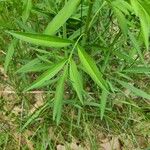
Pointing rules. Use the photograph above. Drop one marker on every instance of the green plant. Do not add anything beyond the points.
(103, 41)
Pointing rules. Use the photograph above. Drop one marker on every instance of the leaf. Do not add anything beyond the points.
(145, 26)
(47, 75)
(27, 9)
(123, 55)
(123, 6)
(62, 16)
(146, 5)
(33, 67)
(136, 44)
(138, 70)
(103, 102)
(42, 40)
(44, 59)
(76, 80)
(91, 68)
(58, 101)
(144, 19)
(9, 54)
(29, 66)
(121, 21)
(34, 116)
(133, 89)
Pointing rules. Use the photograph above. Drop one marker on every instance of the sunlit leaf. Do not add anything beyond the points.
(144, 19)
(103, 99)
(42, 40)
(76, 80)
(27, 9)
(62, 16)
(47, 75)
(91, 68)
(59, 96)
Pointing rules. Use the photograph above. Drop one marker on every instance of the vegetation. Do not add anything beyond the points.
(74, 70)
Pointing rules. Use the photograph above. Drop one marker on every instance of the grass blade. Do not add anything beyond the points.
(58, 101)
(133, 89)
(103, 102)
(91, 68)
(9, 54)
(33, 68)
(136, 44)
(121, 21)
(27, 9)
(47, 75)
(138, 70)
(76, 80)
(42, 40)
(62, 17)
(33, 117)
(144, 19)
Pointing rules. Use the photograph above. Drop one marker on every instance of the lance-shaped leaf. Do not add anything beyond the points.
(136, 70)
(35, 65)
(76, 80)
(34, 116)
(103, 102)
(9, 54)
(27, 9)
(33, 68)
(47, 75)
(91, 68)
(144, 19)
(58, 101)
(121, 21)
(62, 16)
(42, 40)
(133, 89)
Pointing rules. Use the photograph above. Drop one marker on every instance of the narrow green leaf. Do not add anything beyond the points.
(9, 54)
(29, 66)
(76, 80)
(27, 9)
(42, 40)
(138, 70)
(145, 25)
(123, 6)
(123, 55)
(121, 21)
(44, 59)
(103, 102)
(144, 19)
(33, 117)
(33, 68)
(91, 68)
(35, 65)
(47, 75)
(133, 89)
(146, 5)
(136, 44)
(58, 101)
(62, 16)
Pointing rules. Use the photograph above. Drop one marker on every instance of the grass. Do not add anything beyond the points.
(74, 73)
